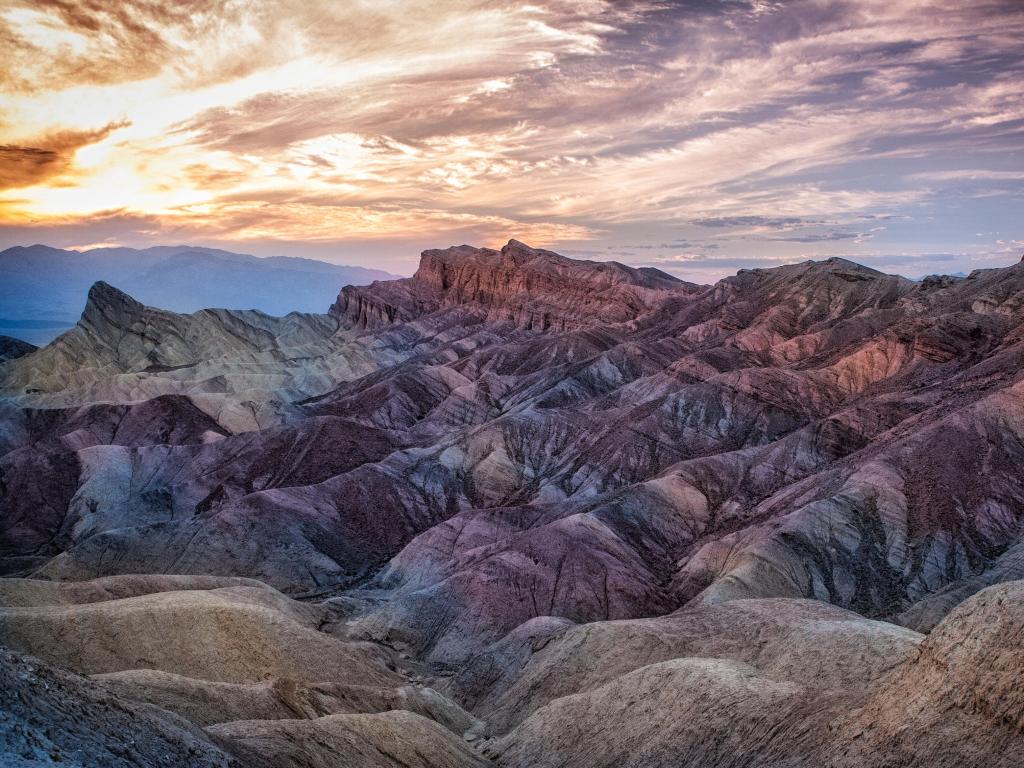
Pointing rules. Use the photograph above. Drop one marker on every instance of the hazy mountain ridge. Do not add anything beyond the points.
(42, 289)
(12, 348)
(565, 495)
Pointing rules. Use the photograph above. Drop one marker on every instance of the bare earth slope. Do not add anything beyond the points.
(515, 492)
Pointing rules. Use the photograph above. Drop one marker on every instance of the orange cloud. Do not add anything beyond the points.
(62, 43)
(49, 156)
(318, 121)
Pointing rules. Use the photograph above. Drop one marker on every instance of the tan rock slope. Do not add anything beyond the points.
(350, 741)
(169, 650)
(947, 700)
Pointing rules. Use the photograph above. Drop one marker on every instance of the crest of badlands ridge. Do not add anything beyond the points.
(518, 285)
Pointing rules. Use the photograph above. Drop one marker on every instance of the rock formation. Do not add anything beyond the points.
(42, 288)
(556, 509)
(519, 286)
(13, 348)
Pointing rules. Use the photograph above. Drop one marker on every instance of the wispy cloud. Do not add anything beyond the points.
(747, 130)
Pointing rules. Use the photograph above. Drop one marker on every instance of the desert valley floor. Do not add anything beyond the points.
(521, 510)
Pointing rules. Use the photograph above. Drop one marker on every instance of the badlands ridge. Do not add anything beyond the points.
(520, 510)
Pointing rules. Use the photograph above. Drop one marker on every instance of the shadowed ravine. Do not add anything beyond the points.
(521, 510)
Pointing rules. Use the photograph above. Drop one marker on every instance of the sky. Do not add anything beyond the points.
(700, 137)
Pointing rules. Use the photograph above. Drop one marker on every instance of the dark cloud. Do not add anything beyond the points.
(23, 166)
(821, 237)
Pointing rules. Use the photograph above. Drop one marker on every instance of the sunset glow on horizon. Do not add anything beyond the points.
(698, 137)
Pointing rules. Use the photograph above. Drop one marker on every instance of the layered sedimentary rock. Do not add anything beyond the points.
(518, 285)
(122, 351)
(515, 491)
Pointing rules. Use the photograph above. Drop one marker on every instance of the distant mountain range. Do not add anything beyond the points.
(43, 289)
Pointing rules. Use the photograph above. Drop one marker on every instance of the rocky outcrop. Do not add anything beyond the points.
(42, 288)
(236, 634)
(388, 740)
(211, 651)
(947, 700)
(535, 486)
(824, 647)
(233, 363)
(766, 436)
(11, 349)
(518, 285)
(53, 717)
(208, 703)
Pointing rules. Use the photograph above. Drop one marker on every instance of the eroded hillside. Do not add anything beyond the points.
(539, 503)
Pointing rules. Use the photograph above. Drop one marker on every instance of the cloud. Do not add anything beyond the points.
(820, 238)
(705, 127)
(56, 43)
(826, 237)
(760, 222)
(49, 157)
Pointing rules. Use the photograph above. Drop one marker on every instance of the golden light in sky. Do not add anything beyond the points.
(692, 135)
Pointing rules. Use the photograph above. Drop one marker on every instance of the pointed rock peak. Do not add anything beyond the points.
(515, 246)
(518, 252)
(108, 305)
(104, 294)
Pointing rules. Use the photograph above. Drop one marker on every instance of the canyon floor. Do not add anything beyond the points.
(522, 510)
